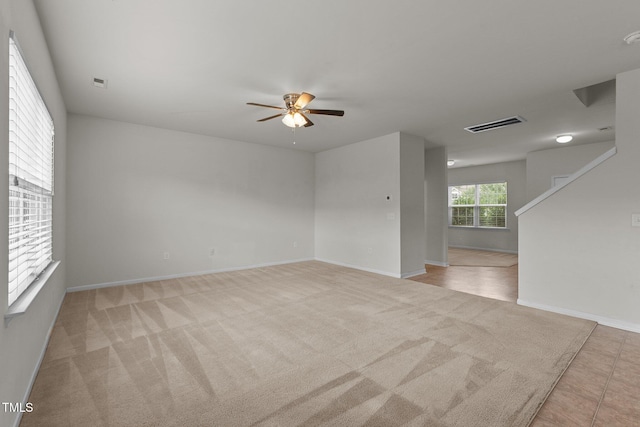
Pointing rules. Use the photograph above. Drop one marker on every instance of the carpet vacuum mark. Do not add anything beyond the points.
(307, 344)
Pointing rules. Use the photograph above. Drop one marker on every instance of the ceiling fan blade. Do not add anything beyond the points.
(303, 100)
(327, 112)
(264, 105)
(309, 122)
(269, 118)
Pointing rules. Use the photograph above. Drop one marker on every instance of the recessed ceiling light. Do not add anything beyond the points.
(632, 38)
(563, 139)
(451, 162)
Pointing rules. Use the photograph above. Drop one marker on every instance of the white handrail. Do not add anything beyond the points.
(577, 174)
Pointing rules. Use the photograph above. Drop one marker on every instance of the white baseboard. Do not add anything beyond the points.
(247, 267)
(606, 321)
(373, 270)
(413, 273)
(34, 374)
(177, 276)
(358, 267)
(436, 263)
(504, 251)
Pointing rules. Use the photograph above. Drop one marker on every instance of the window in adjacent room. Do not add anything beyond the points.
(478, 205)
(30, 178)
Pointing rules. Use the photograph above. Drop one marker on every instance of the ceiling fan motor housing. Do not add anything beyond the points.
(290, 99)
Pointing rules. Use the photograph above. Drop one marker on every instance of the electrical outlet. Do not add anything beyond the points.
(165, 255)
(212, 251)
(295, 244)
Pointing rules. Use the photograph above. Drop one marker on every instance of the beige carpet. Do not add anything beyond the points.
(477, 258)
(301, 344)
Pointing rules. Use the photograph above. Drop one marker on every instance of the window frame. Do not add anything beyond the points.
(476, 206)
(34, 189)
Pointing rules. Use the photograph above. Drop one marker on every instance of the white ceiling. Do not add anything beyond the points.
(427, 68)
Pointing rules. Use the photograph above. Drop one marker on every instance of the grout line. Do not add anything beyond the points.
(606, 385)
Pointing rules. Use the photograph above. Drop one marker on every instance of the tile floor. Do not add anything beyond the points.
(601, 387)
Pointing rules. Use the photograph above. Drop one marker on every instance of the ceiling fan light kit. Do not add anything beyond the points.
(294, 120)
(294, 113)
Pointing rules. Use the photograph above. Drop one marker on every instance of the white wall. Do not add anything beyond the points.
(514, 173)
(412, 221)
(137, 192)
(578, 251)
(22, 340)
(436, 219)
(370, 205)
(543, 165)
(355, 223)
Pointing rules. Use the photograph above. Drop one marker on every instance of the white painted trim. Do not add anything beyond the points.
(574, 176)
(358, 267)
(607, 321)
(34, 374)
(436, 263)
(413, 273)
(177, 276)
(477, 227)
(502, 251)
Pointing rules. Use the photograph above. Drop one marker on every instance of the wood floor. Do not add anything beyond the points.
(601, 387)
(491, 282)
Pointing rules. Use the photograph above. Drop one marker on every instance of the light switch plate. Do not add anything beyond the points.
(635, 219)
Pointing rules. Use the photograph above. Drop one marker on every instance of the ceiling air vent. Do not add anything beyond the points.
(101, 83)
(495, 124)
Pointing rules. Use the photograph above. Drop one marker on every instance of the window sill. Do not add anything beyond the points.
(462, 227)
(23, 302)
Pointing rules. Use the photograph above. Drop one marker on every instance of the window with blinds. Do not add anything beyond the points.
(478, 205)
(30, 178)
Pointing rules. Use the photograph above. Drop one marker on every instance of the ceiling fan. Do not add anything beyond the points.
(294, 114)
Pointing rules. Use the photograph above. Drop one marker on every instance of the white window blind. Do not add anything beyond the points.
(478, 205)
(30, 178)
